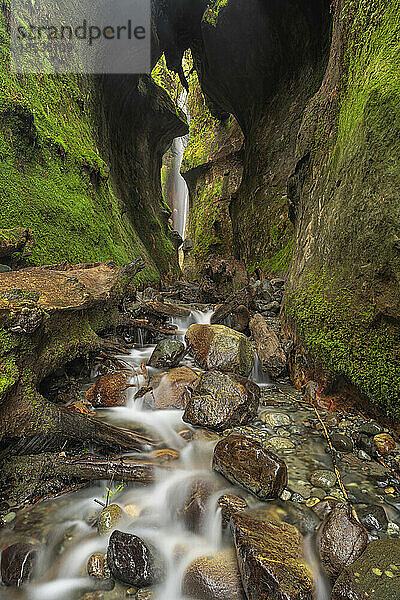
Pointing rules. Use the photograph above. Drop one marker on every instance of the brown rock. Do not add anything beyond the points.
(269, 349)
(341, 540)
(17, 563)
(222, 400)
(230, 504)
(108, 390)
(97, 566)
(270, 558)
(134, 562)
(384, 443)
(190, 501)
(171, 391)
(240, 318)
(248, 463)
(213, 577)
(219, 347)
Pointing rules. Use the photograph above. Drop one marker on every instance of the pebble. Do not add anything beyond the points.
(342, 442)
(300, 488)
(393, 529)
(318, 493)
(275, 419)
(312, 502)
(97, 566)
(373, 517)
(9, 517)
(286, 495)
(144, 594)
(384, 443)
(109, 519)
(323, 478)
(371, 428)
(279, 443)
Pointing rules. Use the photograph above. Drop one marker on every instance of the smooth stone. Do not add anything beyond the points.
(373, 517)
(213, 577)
(246, 462)
(9, 517)
(318, 493)
(384, 443)
(275, 419)
(341, 540)
(270, 558)
(172, 389)
(97, 566)
(167, 353)
(109, 519)
(323, 478)
(222, 400)
(221, 348)
(281, 443)
(375, 575)
(133, 561)
(300, 487)
(145, 594)
(17, 563)
(342, 442)
(371, 428)
(364, 456)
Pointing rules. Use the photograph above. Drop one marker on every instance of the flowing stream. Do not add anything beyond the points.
(63, 525)
(180, 193)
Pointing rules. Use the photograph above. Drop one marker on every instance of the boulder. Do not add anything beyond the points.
(167, 353)
(222, 348)
(341, 540)
(171, 391)
(269, 349)
(270, 558)
(213, 577)
(17, 563)
(375, 575)
(108, 390)
(134, 562)
(248, 463)
(222, 400)
(240, 318)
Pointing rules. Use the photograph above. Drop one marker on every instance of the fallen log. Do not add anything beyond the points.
(144, 324)
(269, 349)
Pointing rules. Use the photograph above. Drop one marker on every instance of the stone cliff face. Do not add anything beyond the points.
(320, 153)
(80, 165)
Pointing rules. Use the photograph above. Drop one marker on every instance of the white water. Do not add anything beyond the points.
(180, 192)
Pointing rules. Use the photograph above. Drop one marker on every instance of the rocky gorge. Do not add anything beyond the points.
(209, 412)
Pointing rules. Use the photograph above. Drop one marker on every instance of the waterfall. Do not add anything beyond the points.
(180, 192)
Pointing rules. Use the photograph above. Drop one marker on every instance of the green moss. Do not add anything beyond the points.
(213, 11)
(347, 338)
(9, 373)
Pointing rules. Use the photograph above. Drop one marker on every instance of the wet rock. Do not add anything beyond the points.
(248, 463)
(323, 478)
(213, 577)
(280, 443)
(264, 290)
(17, 563)
(167, 353)
(221, 348)
(373, 517)
(363, 456)
(342, 442)
(230, 504)
(145, 594)
(240, 318)
(270, 558)
(171, 392)
(300, 487)
(341, 540)
(97, 566)
(375, 575)
(134, 562)
(269, 349)
(275, 419)
(371, 428)
(108, 390)
(109, 519)
(222, 400)
(384, 443)
(189, 501)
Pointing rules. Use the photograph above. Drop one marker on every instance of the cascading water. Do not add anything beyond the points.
(180, 192)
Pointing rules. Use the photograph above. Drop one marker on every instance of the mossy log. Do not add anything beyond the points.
(47, 318)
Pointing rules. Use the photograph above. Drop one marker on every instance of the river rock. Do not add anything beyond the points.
(341, 540)
(248, 463)
(167, 353)
(323, 478)
(275, 419)
(145, 594)
(171, 391)
(108, 390)
(230, 504)
(222, 400)
(375, 575)
(269, 349)
(384, 443)
(213, 577)
(270, 558)
(17, 563)
(133, 561)
(109, 519)
(373, 517)
(240, 318)
(219, 347)
(342, 442)
(371, 428)
(97, 566)
(280, 443)
(196, 503)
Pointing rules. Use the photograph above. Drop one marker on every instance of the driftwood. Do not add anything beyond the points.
(269, 349)
(241, 298)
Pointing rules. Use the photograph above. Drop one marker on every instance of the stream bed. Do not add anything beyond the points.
(286, 423)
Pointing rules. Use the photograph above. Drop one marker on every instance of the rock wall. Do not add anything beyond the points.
(80, 165)
(343, 298)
